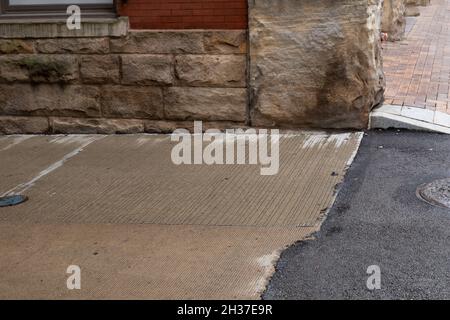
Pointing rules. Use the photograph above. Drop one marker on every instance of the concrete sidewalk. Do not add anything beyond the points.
(141, 227)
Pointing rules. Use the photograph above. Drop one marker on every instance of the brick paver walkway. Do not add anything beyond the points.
(418, 68)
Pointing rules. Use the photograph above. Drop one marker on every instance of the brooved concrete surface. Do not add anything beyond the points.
(377, 219)
(413, 118)
(132, 261)
(141, 227)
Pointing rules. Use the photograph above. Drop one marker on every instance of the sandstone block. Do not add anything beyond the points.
(39, 68)
(16, 46)
(393, 19)
(49, 100)
(315, 63)
(159, 42)
(11, 69)
(211, 70)
(96, 126)
(132, 102)
(147, 69)
(225, 41)
(210, 104)
(100, 69)
(73, 45)
(23, 125)
(182, 42)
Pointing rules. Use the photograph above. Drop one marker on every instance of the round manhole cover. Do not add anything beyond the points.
(12, 200)
(436, 193)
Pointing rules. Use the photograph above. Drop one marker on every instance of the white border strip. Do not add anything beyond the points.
(21, 188)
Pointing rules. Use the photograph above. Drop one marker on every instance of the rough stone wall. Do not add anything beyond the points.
(147, 81)
(315, 63)
(393, 19)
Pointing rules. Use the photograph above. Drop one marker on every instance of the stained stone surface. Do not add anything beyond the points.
(315, 63)
(73, 45)
(147, 69)
(207, 104)
(15, 46)
(38, 68)
(100, 69)
(17, 125)
(211, 70)
(49, 100)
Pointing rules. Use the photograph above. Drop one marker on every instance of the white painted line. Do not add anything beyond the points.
(21, 188)
(16, 140)
(360, 136)
(323, 140)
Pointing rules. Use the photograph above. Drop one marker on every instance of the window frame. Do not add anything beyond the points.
(8, 11)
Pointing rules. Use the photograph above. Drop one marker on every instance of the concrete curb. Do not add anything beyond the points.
(413, 118)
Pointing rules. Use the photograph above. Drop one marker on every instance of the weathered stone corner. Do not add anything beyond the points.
(315, 63)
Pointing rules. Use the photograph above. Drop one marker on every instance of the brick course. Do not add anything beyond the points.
(186, 14)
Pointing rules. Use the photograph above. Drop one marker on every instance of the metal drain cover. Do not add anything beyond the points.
(436, 193)
(12, 200)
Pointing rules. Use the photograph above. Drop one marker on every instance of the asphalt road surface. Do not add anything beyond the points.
(377, 220)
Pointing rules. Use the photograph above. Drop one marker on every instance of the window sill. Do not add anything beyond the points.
(56, 28)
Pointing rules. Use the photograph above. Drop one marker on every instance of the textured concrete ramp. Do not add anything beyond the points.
(140, 261)
(141, 227)
(124, 179)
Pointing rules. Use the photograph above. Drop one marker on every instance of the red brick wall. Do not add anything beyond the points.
(186, 14)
